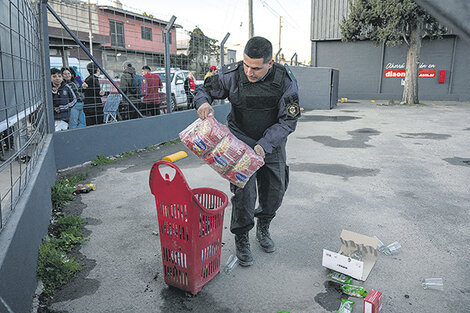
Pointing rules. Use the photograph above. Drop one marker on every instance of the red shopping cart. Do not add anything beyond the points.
(190, 223)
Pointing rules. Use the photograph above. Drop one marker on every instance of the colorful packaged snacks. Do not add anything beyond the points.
(355, 291)
(213, 142)
(225, 154)
(248, 164)
(339, 277)
(346, 306)
(203, 135)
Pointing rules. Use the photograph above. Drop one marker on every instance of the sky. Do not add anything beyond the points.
(217, 17)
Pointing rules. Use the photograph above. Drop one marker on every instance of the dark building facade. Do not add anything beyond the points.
(377, 72)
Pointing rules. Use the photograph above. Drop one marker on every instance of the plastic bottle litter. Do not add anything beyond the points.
(381, 247)
(433, 283)
(394, 247)
(346, 306)
(231, 263)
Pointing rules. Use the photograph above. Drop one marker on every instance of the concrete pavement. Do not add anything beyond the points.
(398, 172)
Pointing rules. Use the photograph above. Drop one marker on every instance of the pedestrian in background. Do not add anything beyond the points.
(93, 106)
(265, 109)
(212, 71)
(129, 87)
(77, 116)
(189, 88)
(63, 99)
(152, 98)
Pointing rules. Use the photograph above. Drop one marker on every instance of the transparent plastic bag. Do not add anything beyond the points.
(213, 142)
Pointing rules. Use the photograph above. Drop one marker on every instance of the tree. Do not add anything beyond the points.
(393, 22)
(199, 46)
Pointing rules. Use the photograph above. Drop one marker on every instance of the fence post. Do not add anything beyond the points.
(277, 55)
(46, 63)
(166, 32)
(222, 52)
(292, 59)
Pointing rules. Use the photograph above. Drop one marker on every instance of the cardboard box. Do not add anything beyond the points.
(341, 262)
(373, 302)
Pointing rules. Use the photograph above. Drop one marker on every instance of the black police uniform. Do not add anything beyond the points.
(264, 113)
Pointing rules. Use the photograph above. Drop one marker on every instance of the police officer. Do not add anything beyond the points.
(265, 109)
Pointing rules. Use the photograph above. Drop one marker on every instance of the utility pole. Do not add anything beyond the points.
(90, 36)
(250, 19)
(280, 26)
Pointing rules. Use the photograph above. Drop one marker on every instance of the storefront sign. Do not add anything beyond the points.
(400, 73)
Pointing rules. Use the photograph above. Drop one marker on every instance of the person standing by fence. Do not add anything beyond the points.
(152, 97)
(130, 88)
(77, 116)
(93, 107)
(63, 99)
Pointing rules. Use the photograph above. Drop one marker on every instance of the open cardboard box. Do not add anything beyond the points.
(341, 262)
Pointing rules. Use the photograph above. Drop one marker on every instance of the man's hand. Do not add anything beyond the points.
(204, 110)
(259, 151)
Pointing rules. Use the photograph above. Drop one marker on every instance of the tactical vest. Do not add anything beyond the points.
(258, 105)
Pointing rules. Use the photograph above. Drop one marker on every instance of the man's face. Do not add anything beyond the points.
(144, 72)
(56, 79)
(255, 69)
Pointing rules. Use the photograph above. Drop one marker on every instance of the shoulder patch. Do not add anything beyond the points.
(230, 67)
(293, 109)
(289, 73)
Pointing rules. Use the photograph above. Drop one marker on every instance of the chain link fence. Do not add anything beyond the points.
(129, 44)
(22, 99)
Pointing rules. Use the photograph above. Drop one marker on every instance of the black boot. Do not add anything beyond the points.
(263, 236)
(242, 242)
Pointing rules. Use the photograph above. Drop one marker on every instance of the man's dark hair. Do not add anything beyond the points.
(259, 47)
(55, 71)
(146, 67)
(92, 68)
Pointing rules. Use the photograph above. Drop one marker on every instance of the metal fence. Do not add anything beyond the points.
(22, 99)
(123, 40)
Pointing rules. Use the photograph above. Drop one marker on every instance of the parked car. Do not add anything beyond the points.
(177, 78)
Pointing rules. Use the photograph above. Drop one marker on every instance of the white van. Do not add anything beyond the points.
(178, 94)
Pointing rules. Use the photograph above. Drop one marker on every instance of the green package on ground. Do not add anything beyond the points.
(355, 291)
(339, 277)
(346, 306)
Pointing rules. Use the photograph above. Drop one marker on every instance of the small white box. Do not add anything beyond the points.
(340, 262)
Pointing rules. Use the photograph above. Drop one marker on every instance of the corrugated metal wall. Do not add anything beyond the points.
(327, 15)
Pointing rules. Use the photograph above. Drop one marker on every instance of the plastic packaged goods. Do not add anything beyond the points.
(203, 135)
(339, 277)
(346, 306)
(355, 291)
(248, 164)
(213, 142)
(225, 154)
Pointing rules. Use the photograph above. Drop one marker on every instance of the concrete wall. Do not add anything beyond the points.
(362, 66)
(76, 146)
(21, 237)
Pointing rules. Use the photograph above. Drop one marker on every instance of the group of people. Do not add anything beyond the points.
(143, 90)
(79, 103)
(76, 103)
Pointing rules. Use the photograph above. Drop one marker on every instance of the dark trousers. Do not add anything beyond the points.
(269, 183)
